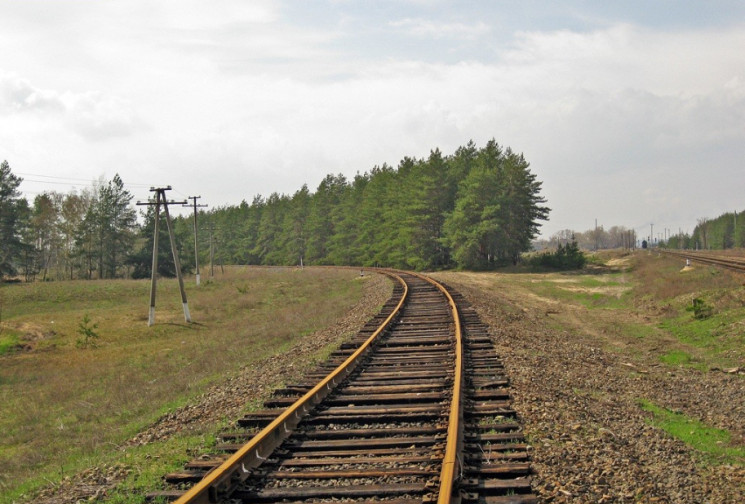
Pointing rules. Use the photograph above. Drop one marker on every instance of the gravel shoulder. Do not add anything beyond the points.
(577, 384)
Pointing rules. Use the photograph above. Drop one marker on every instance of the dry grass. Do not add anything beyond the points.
(662, 277)
(59, 403)
(637, 302)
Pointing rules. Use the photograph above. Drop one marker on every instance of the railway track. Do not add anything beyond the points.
(416, 408)
(729, 262)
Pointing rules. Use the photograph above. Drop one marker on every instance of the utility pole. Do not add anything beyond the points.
(196, 246)
(160, 194)
(596, 235)
(212, 251)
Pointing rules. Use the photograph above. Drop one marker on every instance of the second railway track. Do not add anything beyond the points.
(730, 262)
(415, 409)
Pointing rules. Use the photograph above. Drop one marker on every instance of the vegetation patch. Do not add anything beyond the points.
(62, 406)
(715, 445)
(9, 341)
(676, 358)
(718, 335)
(565, 257)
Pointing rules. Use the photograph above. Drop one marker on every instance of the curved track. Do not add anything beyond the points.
(414, 409)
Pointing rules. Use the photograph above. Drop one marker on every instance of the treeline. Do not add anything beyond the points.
(91, 234)
(476, 209)
(598, 238)
(724, 232)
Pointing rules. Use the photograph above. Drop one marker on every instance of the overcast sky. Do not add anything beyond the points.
(630, 112)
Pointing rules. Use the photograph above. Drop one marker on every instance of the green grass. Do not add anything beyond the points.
(62, 406)
(714, 445)
(9, 341)
(678, 358)
(718, 336)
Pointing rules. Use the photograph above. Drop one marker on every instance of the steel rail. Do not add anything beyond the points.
(733, 263)
(451, 460)
(237, 468)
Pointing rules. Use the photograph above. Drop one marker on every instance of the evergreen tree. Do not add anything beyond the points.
(45, 231)
(322, 219)
(106, 234)
(295, 227)
(72, 211)
(496, 211)
(344, 247)
(13, 221)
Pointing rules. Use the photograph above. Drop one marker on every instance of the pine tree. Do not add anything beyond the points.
(14, 214)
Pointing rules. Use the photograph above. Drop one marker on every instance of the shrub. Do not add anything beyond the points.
(700, 309)
(566, 257)
(87, 332)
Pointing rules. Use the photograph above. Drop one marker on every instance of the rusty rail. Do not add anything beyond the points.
(235, 469)
(729, 262)
(409, 413)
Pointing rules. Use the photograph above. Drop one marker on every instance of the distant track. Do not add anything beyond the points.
(733, 263)
(415, 409)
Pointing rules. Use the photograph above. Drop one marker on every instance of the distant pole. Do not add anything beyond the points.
(160, 194)
(196, 242)
(596, 234)
(212, 252)
(154, 276)
(176, 263)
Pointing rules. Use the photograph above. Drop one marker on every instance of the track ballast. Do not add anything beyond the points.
(422, 414)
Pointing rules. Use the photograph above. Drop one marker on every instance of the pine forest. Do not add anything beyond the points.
(477, 208)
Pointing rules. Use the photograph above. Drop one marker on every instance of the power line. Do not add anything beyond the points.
(50, 176)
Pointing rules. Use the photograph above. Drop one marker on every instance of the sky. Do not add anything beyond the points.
(631, 113)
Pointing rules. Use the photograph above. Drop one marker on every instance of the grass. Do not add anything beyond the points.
(9, 341)
(714, 445)
(640, 303)
(63, 407)
(679, 358)
(608, 291)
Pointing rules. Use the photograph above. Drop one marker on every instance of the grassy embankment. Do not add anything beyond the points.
(641, 306)
(65, 407)
(647, 300)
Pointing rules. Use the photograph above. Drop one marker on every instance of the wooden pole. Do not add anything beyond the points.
(160, 192)
(196, 241)
(154, 274)
(176, 262)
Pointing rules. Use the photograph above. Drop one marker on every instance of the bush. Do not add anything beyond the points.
(701, 310)
(566, 257)
(87, 332)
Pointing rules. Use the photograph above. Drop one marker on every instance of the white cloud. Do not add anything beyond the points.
(437, 29)
(93, 115)
(232, 99)
(18, 95)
